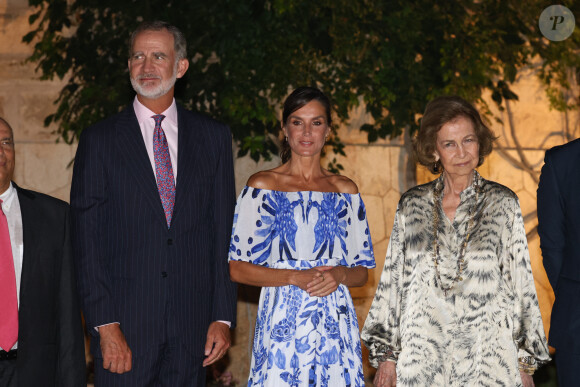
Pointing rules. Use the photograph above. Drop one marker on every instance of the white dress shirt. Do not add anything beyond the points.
(11, 208)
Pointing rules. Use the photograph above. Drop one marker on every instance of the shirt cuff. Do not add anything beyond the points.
(104, 325)
(228, 323)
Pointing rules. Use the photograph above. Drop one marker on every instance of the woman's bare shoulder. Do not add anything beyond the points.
(343, 184)
(263, 179)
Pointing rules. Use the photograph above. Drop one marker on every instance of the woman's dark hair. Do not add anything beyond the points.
(297, 100)
(440, 111)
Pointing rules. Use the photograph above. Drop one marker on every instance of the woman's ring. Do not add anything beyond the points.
(322, 274)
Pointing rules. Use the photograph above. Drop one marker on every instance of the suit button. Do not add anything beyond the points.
(164, 274)
(170, 241)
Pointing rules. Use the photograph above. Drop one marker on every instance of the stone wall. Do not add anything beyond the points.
(41, 162)
(526, 129)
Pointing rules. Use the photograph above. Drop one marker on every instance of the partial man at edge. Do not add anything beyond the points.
(559, 230)
(41, 334)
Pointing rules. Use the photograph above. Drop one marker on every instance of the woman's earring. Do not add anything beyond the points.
(435, 167)
(286, 138)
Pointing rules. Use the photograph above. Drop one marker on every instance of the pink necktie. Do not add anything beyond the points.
(8, 297)
(163, 169)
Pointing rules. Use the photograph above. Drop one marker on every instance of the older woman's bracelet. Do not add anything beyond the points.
(388, 354)
(527, 364)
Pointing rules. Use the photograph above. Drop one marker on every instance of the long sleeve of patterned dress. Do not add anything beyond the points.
(381, 330)
(528, 328)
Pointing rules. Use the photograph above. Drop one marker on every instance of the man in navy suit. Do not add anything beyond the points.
(559, 230)
(47, 348)
(152, 203)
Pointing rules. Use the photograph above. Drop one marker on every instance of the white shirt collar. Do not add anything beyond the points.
(8, 196)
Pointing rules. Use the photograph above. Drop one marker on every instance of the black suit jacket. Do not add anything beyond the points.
(50, 335)
(559, 230)
(156, 282)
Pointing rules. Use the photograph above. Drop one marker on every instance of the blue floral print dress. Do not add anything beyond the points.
(301, 340)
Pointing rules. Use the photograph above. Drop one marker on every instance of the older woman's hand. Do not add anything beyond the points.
(527, 380)
(330, 278)
(386, 375)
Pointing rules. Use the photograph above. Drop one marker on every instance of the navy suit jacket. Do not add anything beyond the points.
(559, 230)
(156, 282)
(51, 346)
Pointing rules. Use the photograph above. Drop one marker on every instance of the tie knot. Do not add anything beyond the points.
(158, 118)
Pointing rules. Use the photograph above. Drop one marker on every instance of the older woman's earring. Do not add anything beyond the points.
(286, 138)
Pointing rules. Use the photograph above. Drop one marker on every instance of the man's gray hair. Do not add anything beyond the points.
(179, 42)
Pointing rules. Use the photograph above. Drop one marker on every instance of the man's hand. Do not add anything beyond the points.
(116, 353)
(218, 342)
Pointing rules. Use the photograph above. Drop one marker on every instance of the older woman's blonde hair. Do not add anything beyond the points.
(440, 111)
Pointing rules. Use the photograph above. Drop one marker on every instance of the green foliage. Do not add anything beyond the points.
(246, 55)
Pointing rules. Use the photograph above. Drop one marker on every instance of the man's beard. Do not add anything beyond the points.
(154, 92)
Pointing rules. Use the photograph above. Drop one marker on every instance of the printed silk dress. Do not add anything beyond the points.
(476, 334)
(301, 340)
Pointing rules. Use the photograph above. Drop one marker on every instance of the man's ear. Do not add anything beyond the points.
(182, 66)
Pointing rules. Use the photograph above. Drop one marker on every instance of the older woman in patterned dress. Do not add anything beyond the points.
(456, 304)
(300, 232)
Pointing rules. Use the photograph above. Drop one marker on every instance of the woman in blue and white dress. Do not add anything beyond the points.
(301, 233)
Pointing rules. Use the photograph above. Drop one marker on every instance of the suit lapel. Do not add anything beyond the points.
(188, 142)
(131, 147)
(30, 241)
